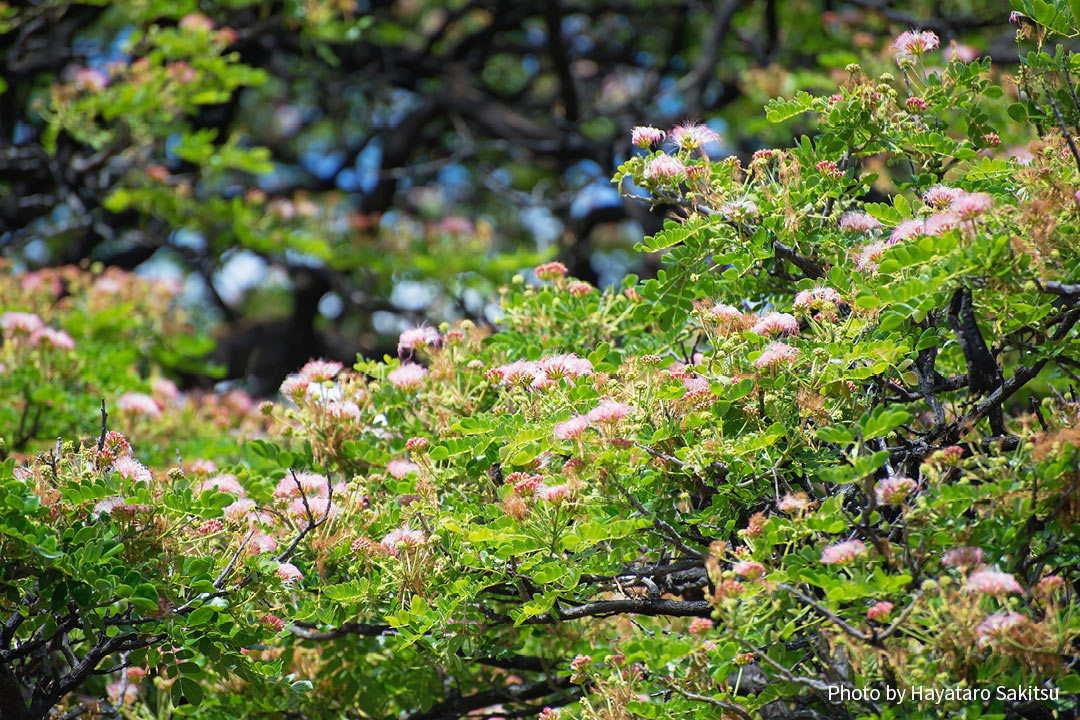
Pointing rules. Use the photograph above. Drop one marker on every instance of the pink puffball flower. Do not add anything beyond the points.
(91, 79)
(664, 167)
(941, 196)
(320, 370)
(131, 469)
(571, 429)
(402, 539)
(775, 324)
(609, 412)
(312, 484)
(400, 469)
(907, 230)
(550, 271)
(225, 483)
(749, 569)
(965, 556)
(569, 365)
(880, 612)
(858, 222)
(775, 355)
(894, 490)
(408, 377)
(996, 625)
(725, 312)
(843, 553)
(869, 257)
(969, 206)
(294, 387)
(20, 322)
(554, 494)
(992, 582)
(262, 543)
(196, 22)
(740, 210)
(793, 503)
(164, 389)
(138, 404)
(816, 299)
(700, 626)
(343, 410)
(54, 338)
(692, 136)
(942, 222)
(319, 508)
(239, 511)
(580, 289)
(915, 43)
(288, 573)
(417, 338)
(645, 136)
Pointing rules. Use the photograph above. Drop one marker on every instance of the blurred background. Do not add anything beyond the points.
(316, 176)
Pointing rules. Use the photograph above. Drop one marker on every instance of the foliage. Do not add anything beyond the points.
(831, 446)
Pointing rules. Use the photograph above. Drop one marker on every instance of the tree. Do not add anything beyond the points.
(829, 452)
(146, 137)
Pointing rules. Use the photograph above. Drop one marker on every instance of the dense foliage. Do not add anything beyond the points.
(328, 173)
(831, 447)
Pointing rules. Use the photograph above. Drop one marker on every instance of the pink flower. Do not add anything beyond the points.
(843, 553)
(692, 135)
(210, 527)
(417, 337)
(941, 196)
(793, 503)
(739, 210)
(750, 569)
(580, 289)
(700, 626)
(408, 377)
(816, 299)
(548, 714)
(992, 582)
(107, 506)
(131, 469)
(962, 557)
(907, 230)
(225, 483)
(775, 323)
(1050, 585)
(262, 543)
(554, 494)
(196, 22)
(870, 257)
(273, 622)
(894, 490)
(200, 466)
(20, 322)
(319, 507)
(915, 104)
(343, 410)
(91, 79)
(915, 43)
(402, 539)
(288, 573)
(239, 510)
(401, 468)
(858, 222)
(138, 404)
(571, 429)
(725, 312)
(550, 271)
(320, 370)
(970, 205)
(775, 355)
(313, 484)
(525, 484)
(664, 167)
(164, 389)
(880, 612)
(997, 625)
(645, 136)
(609, 412)
(416, 444)
(294, 387)
(942, 222)
(56, 338)
(557, 367)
